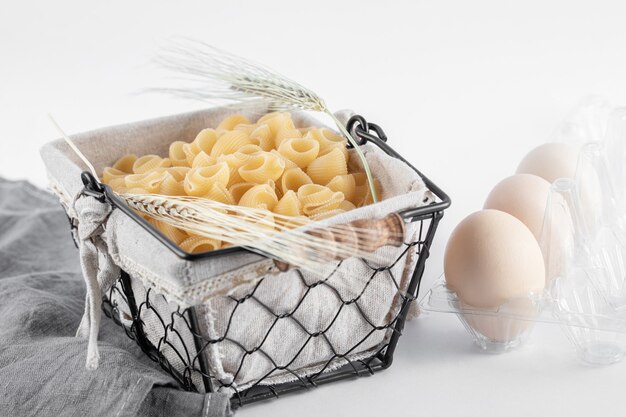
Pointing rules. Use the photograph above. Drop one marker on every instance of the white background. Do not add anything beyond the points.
(463, 90)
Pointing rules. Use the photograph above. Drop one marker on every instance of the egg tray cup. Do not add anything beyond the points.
(494, 330)
(595, 328)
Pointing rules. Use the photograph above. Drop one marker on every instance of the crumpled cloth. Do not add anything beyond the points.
(99, 270)
(42, 363)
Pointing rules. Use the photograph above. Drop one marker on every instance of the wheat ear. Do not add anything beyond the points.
(217, 75)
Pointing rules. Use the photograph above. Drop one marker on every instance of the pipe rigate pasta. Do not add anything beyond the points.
(295, 173)
(327, 167)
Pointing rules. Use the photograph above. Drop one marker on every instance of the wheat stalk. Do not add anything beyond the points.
(218, 75)
(261, 231)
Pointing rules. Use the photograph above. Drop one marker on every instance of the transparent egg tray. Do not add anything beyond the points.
(583, 242)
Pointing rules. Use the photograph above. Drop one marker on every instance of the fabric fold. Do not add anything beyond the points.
(99, 270)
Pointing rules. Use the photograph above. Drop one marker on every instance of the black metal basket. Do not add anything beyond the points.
(190, 362)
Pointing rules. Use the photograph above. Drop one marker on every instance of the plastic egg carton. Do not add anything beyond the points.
(583, 242)
(596, 330)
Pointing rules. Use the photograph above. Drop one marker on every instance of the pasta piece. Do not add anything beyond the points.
(328, 141)
(300, 150)
(262, 136)
(344, 183)
(293, 179)
(288, 205)
(111, 173)
(171, 186)
(234, 164)
(125, 163)
(229, 143)
(199, 244)
(172, 233)
(272, 184)
(148, 163)
(178, 157)
(246, 151)
(354, 162)
(327, 167)
(288, 162)
(316, 199)
(326, 214)
(360, 182)
(239, 189)
(230, 122)
(148, 182)
(205, 140)
(190, 152)
(259, 196)
(203, 160)
(363, 194)
(262, 167)
(286, 134)
(199, 181)
(281, 127)
(220, 193)
(246, 128)
(346, 206)
(277, 121)
(118, 184)
(368, 193)
(179, 173)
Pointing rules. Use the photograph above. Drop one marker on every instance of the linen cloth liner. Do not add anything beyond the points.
(204, 281)
(42, 293)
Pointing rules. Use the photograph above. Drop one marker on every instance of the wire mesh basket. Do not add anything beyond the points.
(171, 335)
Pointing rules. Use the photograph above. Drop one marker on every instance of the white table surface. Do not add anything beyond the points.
(463, 90)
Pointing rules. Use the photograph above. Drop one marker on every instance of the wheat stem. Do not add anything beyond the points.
(357, 148)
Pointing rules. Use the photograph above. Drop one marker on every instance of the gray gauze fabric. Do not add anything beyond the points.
(42, 363)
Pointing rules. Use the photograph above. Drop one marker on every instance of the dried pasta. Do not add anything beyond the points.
(288, 205)
(262, 136)
(328, 140)
(230, 142)
(259, 196)
(205, 140)
(150, 162)
(344, 183)
(171, 186)
(317, 199)
(301, 151)
(293, 179)
(199, 244)
(261, 167)
(198, 181)
(202, 159)
(231, 122)
(125, 163)
(148, 182)
(327, 167)
(295, 173)
(172, 233)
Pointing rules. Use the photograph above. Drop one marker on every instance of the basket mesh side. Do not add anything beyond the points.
(171, 336)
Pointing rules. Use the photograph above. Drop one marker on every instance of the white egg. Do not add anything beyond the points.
(493, 262)
(524, 196)
(492, 257)
(550, 161)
